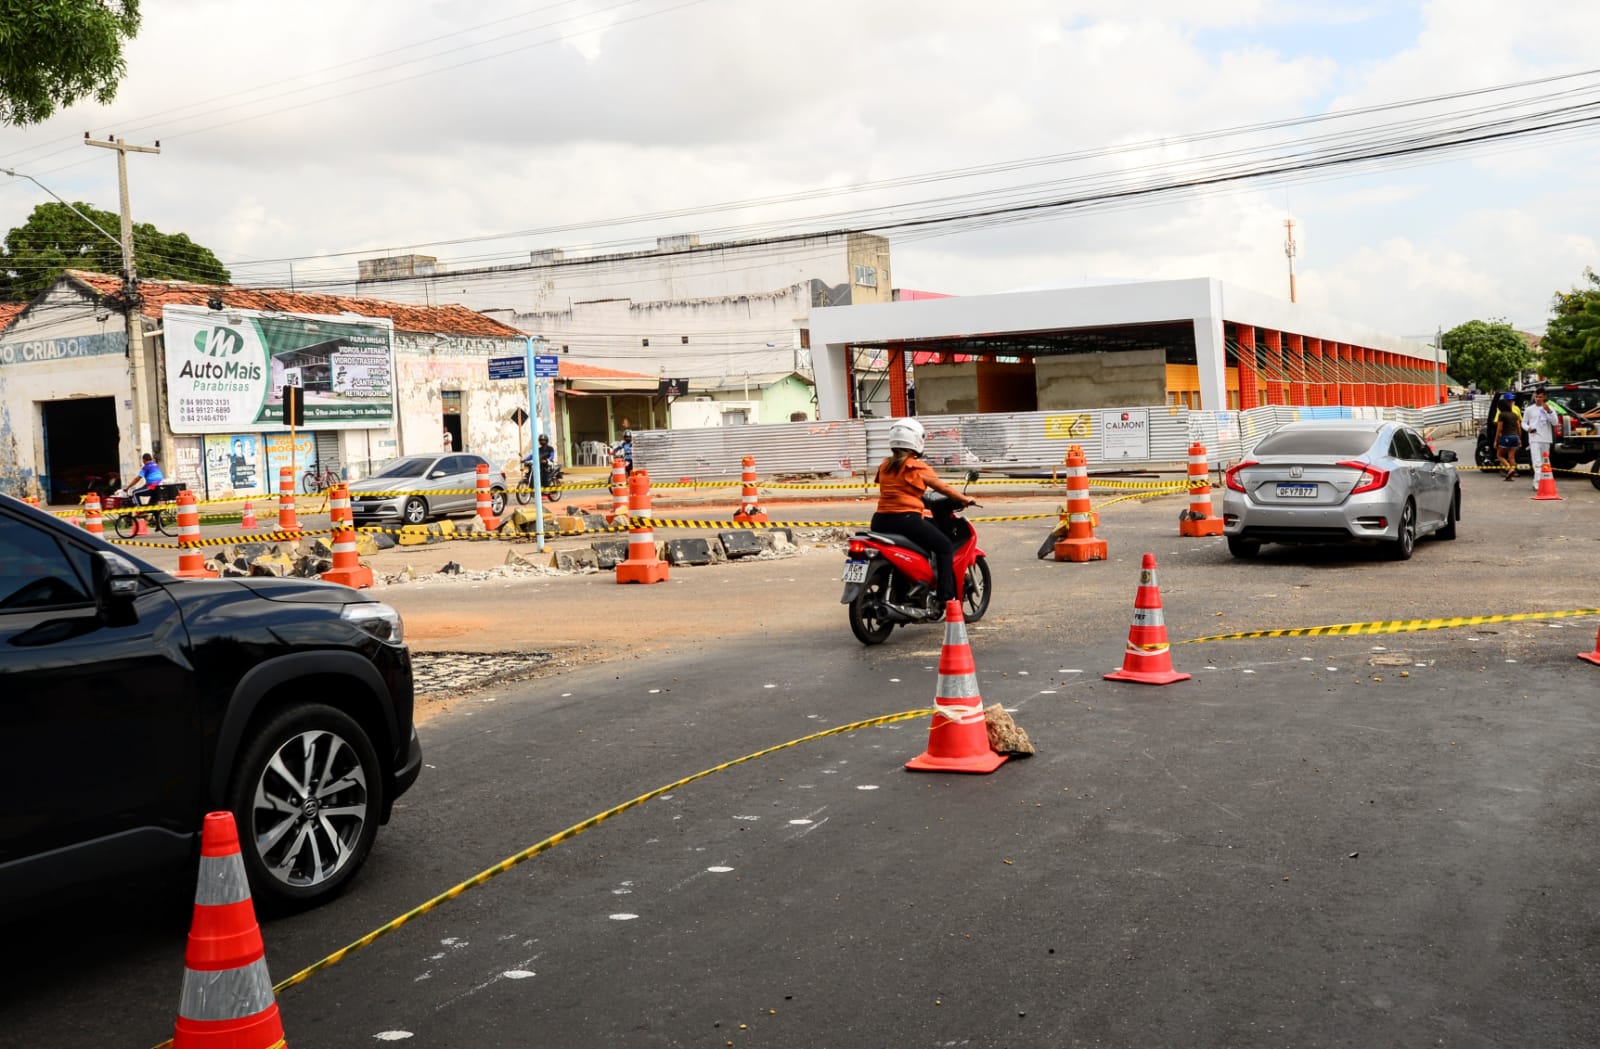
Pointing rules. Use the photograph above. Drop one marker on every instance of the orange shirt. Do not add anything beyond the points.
(901, 493)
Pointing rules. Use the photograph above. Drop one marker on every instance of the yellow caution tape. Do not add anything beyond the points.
(567, 835)
(1394, 626)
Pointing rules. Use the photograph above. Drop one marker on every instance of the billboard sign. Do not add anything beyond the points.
(1125, 434)
(226, 370)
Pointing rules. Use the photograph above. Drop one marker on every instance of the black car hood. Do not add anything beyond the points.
(297, 591)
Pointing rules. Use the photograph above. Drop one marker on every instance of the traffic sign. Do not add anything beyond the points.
(519, 417)
(508, 367)
(547, 367)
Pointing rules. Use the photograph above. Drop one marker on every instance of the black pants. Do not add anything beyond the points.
(921, 531)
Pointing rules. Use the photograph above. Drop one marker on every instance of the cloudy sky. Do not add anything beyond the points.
(310, 133)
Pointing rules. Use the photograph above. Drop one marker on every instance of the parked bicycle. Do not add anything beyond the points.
(318, 478)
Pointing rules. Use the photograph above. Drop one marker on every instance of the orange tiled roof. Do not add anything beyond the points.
(574, 370)
(446, 320)
(9, 312)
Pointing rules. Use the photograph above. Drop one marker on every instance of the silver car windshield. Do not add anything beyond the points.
(1315, 442)
(411, 467)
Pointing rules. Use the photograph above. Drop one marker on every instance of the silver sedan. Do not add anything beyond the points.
(414, 488)
(1340, 481)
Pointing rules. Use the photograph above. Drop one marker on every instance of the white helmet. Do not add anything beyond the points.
(907, 434)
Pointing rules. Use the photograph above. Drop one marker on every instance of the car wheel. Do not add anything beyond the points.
(307, 796)
(1594, 474)
(416, 510)
(1451, 515)
(1484, 456)
(1244, 549)
(497, 500)
(1405, 534)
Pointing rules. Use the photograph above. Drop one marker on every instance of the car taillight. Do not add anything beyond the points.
(1230, 478)
(1372, 478)
(857, 548)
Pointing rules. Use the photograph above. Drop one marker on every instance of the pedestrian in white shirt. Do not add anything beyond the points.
(1539, 419)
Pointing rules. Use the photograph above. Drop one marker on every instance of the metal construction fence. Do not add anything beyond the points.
(1021, 443)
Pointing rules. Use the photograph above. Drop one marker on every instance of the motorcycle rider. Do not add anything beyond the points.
(545, 455)
(902, 478)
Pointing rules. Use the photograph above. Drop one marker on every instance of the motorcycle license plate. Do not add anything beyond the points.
(855, 571)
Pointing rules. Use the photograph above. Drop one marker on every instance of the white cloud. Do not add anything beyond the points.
(596, 109)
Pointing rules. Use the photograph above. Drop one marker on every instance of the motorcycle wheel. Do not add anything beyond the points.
(524, 491)
(867, 610)
(975, 592)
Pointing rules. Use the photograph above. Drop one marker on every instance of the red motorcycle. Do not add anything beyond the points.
(888, 579)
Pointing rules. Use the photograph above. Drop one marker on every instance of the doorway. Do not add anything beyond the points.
(450, 401)
(80, 445)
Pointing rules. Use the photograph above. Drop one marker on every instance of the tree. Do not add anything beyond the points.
(55, 52)
(1571, 343)
(1488, 354)
(55, 239)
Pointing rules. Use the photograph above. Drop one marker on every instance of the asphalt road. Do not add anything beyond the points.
(1316, 841)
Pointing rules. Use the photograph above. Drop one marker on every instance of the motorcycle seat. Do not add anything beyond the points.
(891, 539)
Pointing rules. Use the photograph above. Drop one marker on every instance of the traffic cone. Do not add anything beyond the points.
(1547, 481)
(1080, 544)
(619, 490)
(248, 521)
(288, 519)
(1148, 658)
(1201, 518)
(1593, 657)
(191, 562)
(958, 738)
(642, 565)
(140, 525)
(749, 511)
(347, 567)
(227, 1000)
(91, 515)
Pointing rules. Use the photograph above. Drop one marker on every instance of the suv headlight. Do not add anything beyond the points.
(377, 619)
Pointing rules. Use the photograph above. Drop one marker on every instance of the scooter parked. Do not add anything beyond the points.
(889, 580)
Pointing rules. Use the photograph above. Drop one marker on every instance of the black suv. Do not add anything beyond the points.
(1577, 440)
(134, 702)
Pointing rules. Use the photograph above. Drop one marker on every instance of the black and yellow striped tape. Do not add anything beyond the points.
(1394, 626)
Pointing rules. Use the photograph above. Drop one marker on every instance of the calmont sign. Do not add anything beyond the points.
(226, 370)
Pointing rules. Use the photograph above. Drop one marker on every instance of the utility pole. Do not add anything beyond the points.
(1438, 367)
(1288, 250)
(130, 294)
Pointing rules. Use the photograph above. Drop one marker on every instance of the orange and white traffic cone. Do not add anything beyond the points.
(287, 520)
(1547, 481)
(1201, 518)
(248, 521)
(619, 489)
(227, 1000)
(1080, 544)
(748, 512)
(642, 565)
(91, 515)
(958, 738)
(485, 500)
(1148, 659)
(347, 567)
(191, 562)
(1593, 657)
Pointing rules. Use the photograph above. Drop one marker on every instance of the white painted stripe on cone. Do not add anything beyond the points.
(226, 994)
(955, 632)
(222, 880)
(956, 686)
(1149, 617)
(961, 714)
(637, 538)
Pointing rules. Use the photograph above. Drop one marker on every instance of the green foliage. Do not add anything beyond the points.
(54, 239)
(1489, 354)
(55, 52)
(1571, 345)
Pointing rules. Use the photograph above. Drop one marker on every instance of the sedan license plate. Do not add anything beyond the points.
(1297, 491)
(855, 571)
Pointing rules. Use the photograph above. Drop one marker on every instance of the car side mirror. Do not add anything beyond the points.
(436, 474)
(1447, 456)
(116, 579)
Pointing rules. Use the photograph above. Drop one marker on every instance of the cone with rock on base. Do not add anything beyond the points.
(958, 739)
(227, 1000)
(1148, 658)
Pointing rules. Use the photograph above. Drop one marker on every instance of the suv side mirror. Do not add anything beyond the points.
(116, 579)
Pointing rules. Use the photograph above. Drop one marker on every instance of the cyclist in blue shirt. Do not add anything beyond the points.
(150, 475)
